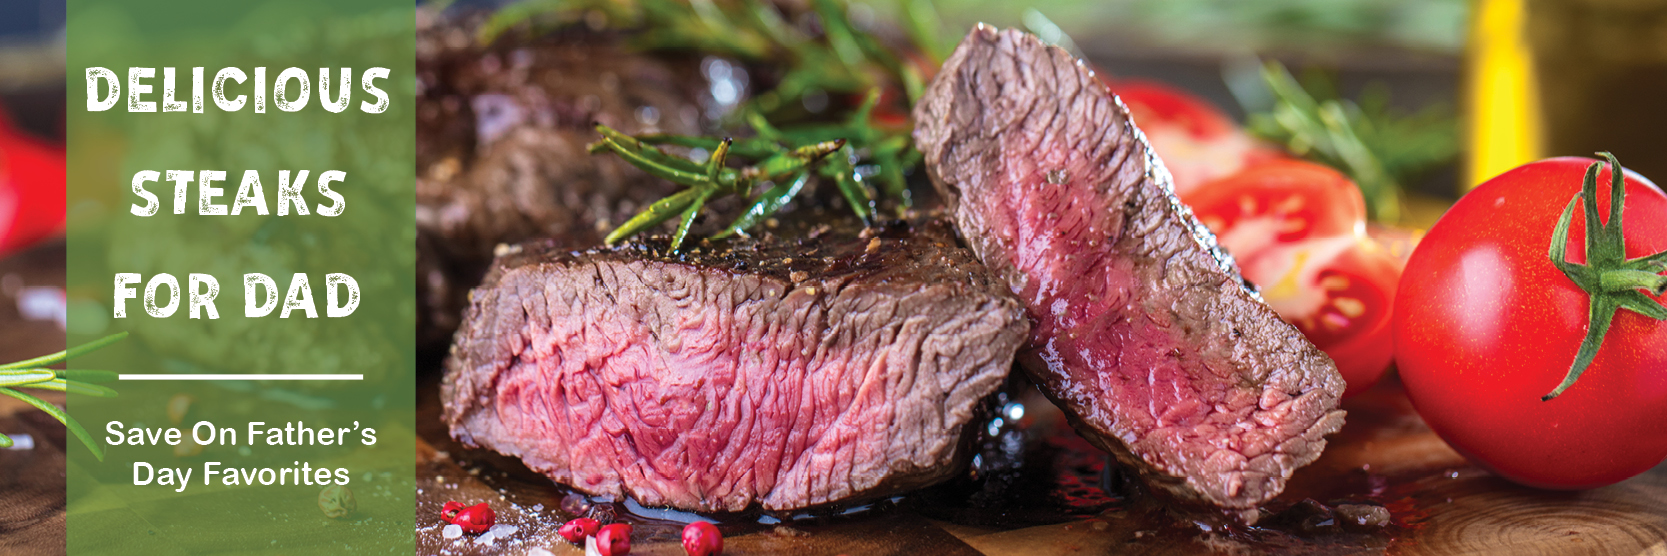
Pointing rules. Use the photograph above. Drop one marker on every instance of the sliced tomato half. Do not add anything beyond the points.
(1275, 202)
(1298, 230)
(1198, 142)
(1339, 292)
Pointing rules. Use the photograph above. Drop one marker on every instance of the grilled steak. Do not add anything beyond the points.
(1142, 329)
(501, 143)
(841, 365)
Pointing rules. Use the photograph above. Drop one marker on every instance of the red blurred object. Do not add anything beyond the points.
(1397, 242)
(1197, 141)
(31, 188)
(892, 111)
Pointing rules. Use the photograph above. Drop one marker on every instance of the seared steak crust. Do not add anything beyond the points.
(1142, 329)
(842, 365)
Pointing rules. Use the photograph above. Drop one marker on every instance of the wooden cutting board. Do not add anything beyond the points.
(31, 480)
(1385, 455)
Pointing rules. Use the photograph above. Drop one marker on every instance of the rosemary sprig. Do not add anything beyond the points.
(1378, 149)
(705, 181)
(846, 154)
(832, 57)
(30, 373)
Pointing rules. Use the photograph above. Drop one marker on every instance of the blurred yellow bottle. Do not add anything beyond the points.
(1566, 77)
(1502, 107)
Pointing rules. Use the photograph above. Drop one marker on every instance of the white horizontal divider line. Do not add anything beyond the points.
(238, 377)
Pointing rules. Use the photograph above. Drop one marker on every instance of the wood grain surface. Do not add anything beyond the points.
(1384, 456)
(32, 480)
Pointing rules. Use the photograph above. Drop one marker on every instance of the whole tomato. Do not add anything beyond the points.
(1486, 325)
(1297, 230)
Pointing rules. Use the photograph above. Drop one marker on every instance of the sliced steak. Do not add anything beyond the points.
(838, 366)
(1141, 328)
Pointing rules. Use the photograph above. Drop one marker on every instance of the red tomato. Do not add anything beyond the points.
(1197, 141)
(1297, 230)
(1339, 291)
(1280, 201)
(1485, 325)
(31, 189)
(1162, 103)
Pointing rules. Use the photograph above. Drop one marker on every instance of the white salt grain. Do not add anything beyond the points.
(452, 531)
(590, 547)
(43, 303)
(22, 441)
(502, 531)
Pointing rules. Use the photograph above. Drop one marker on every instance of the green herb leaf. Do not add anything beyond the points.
(62, 417)
(712, 180)
(767, 204)
(84, 375)
(651, 160)
(689, 218)
(661, 211)
(841, 61)
(60, 357)
(62, 385)
(845, 176)
(31, 376)
(1376, 147)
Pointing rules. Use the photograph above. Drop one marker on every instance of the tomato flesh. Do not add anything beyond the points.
(1485, 325)
(1278, 202)
(1197, 141)
(1296, 230)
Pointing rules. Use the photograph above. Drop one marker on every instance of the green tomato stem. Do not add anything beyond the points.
(1628, 280)
(1612, 281)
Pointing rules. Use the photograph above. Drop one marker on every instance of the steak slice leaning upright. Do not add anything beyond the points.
(844, 364)
(1142, 329)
